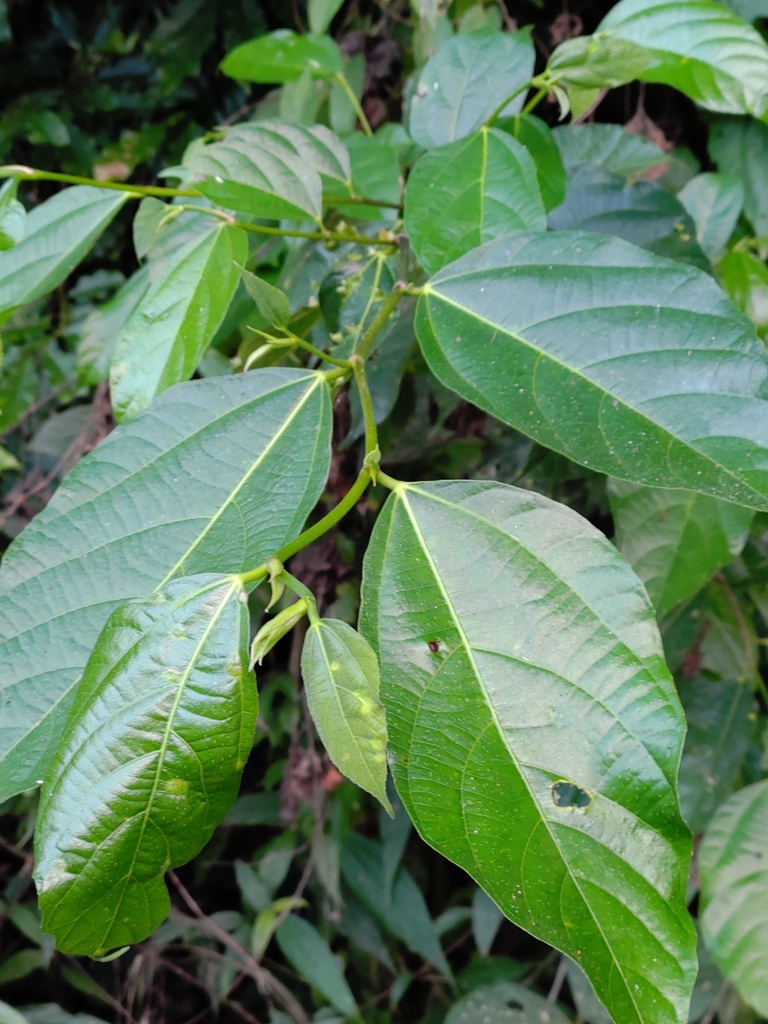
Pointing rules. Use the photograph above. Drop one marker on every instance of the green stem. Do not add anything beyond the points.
(365, 344)
(342, 80)
(294, 339)
(507, 99)
(263, 229)
(534, 101)
(310, 535)
(366, 404)
(22, 173)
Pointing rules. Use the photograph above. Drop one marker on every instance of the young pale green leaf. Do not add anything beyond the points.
(608, 147)
(321, 13)
(538, 139)
(270, 301)
(714, 201)
(733, 870)
(745, 278)
(675, 540)
(720, 716)
(215, 476)
(405, 913)
(632, 365)
(515, 640)
(486, 921)
(282, 56)
(468, 79)
(341, 680)
(308, 953)
(504, 1003)
(739, 145)
(698, 47)
(149, 762)
(13, 216)
(167, 333)
(260, 173)
(59, 232)
(103, 326)
(468, 192)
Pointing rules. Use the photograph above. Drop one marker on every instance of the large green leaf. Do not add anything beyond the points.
(315, 145)
(149, 762)
(696, 46)
(720, 716)
(675, 540)
(258, 173)
(165, 336)
(468, 192)
(535, 733)
(341, 679)
(733, 869)
(308, 952)
(633, 365)
(469, 77)
(608, 147)
(700, 48)
(740, 147)
(59, 233)
(215, 476)
(282, 56)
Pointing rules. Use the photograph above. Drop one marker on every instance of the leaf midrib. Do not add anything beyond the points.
(607, 394)
(492, 711)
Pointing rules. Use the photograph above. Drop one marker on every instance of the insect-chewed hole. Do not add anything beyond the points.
(568, 794)
(515, 1004)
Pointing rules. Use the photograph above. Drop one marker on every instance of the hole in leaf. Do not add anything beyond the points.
(515, 1004)
(568, 794)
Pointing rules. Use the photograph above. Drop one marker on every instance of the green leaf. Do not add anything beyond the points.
(734, 889)
(714, 201)
(504, 1003)
(149, 762)
(469, 77)
(375, 175)
(591, 1010)
(10, 1016)
(538, 139)
(740, 147)
(216, 475)
(341, 680)
(258, 173)
(103, 326)
(698, 47)
(720, 716)
(8, 460)
(271, 303)
(146, 223)
(486, 921)
(515, 640)
(321, 13)
(395, 831)
(315, 145)
(468, 192)
(13, 216)
(363, 932)
(749, 10)
(675, 540)
(59, 233)
(281, 57)
(633, 365)
(745, 278)
(308, 952)
(165, 336)
(608, 146)
(405, 914)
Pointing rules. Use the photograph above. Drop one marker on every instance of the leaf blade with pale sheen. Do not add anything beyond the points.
(282, 56)
(150, 761)
(211, 477)
(531, 662)
(636, 366)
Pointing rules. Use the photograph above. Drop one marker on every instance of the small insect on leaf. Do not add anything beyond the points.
(150, 761)
(341, 677)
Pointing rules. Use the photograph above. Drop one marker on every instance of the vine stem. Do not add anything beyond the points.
(366, 405)
(534, 101)
(507, 99)
(364, 346)
(322, 526)
(22, 173)
(263, 229)
(341, 78)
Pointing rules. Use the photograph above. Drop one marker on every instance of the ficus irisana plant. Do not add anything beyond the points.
(508, 666)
